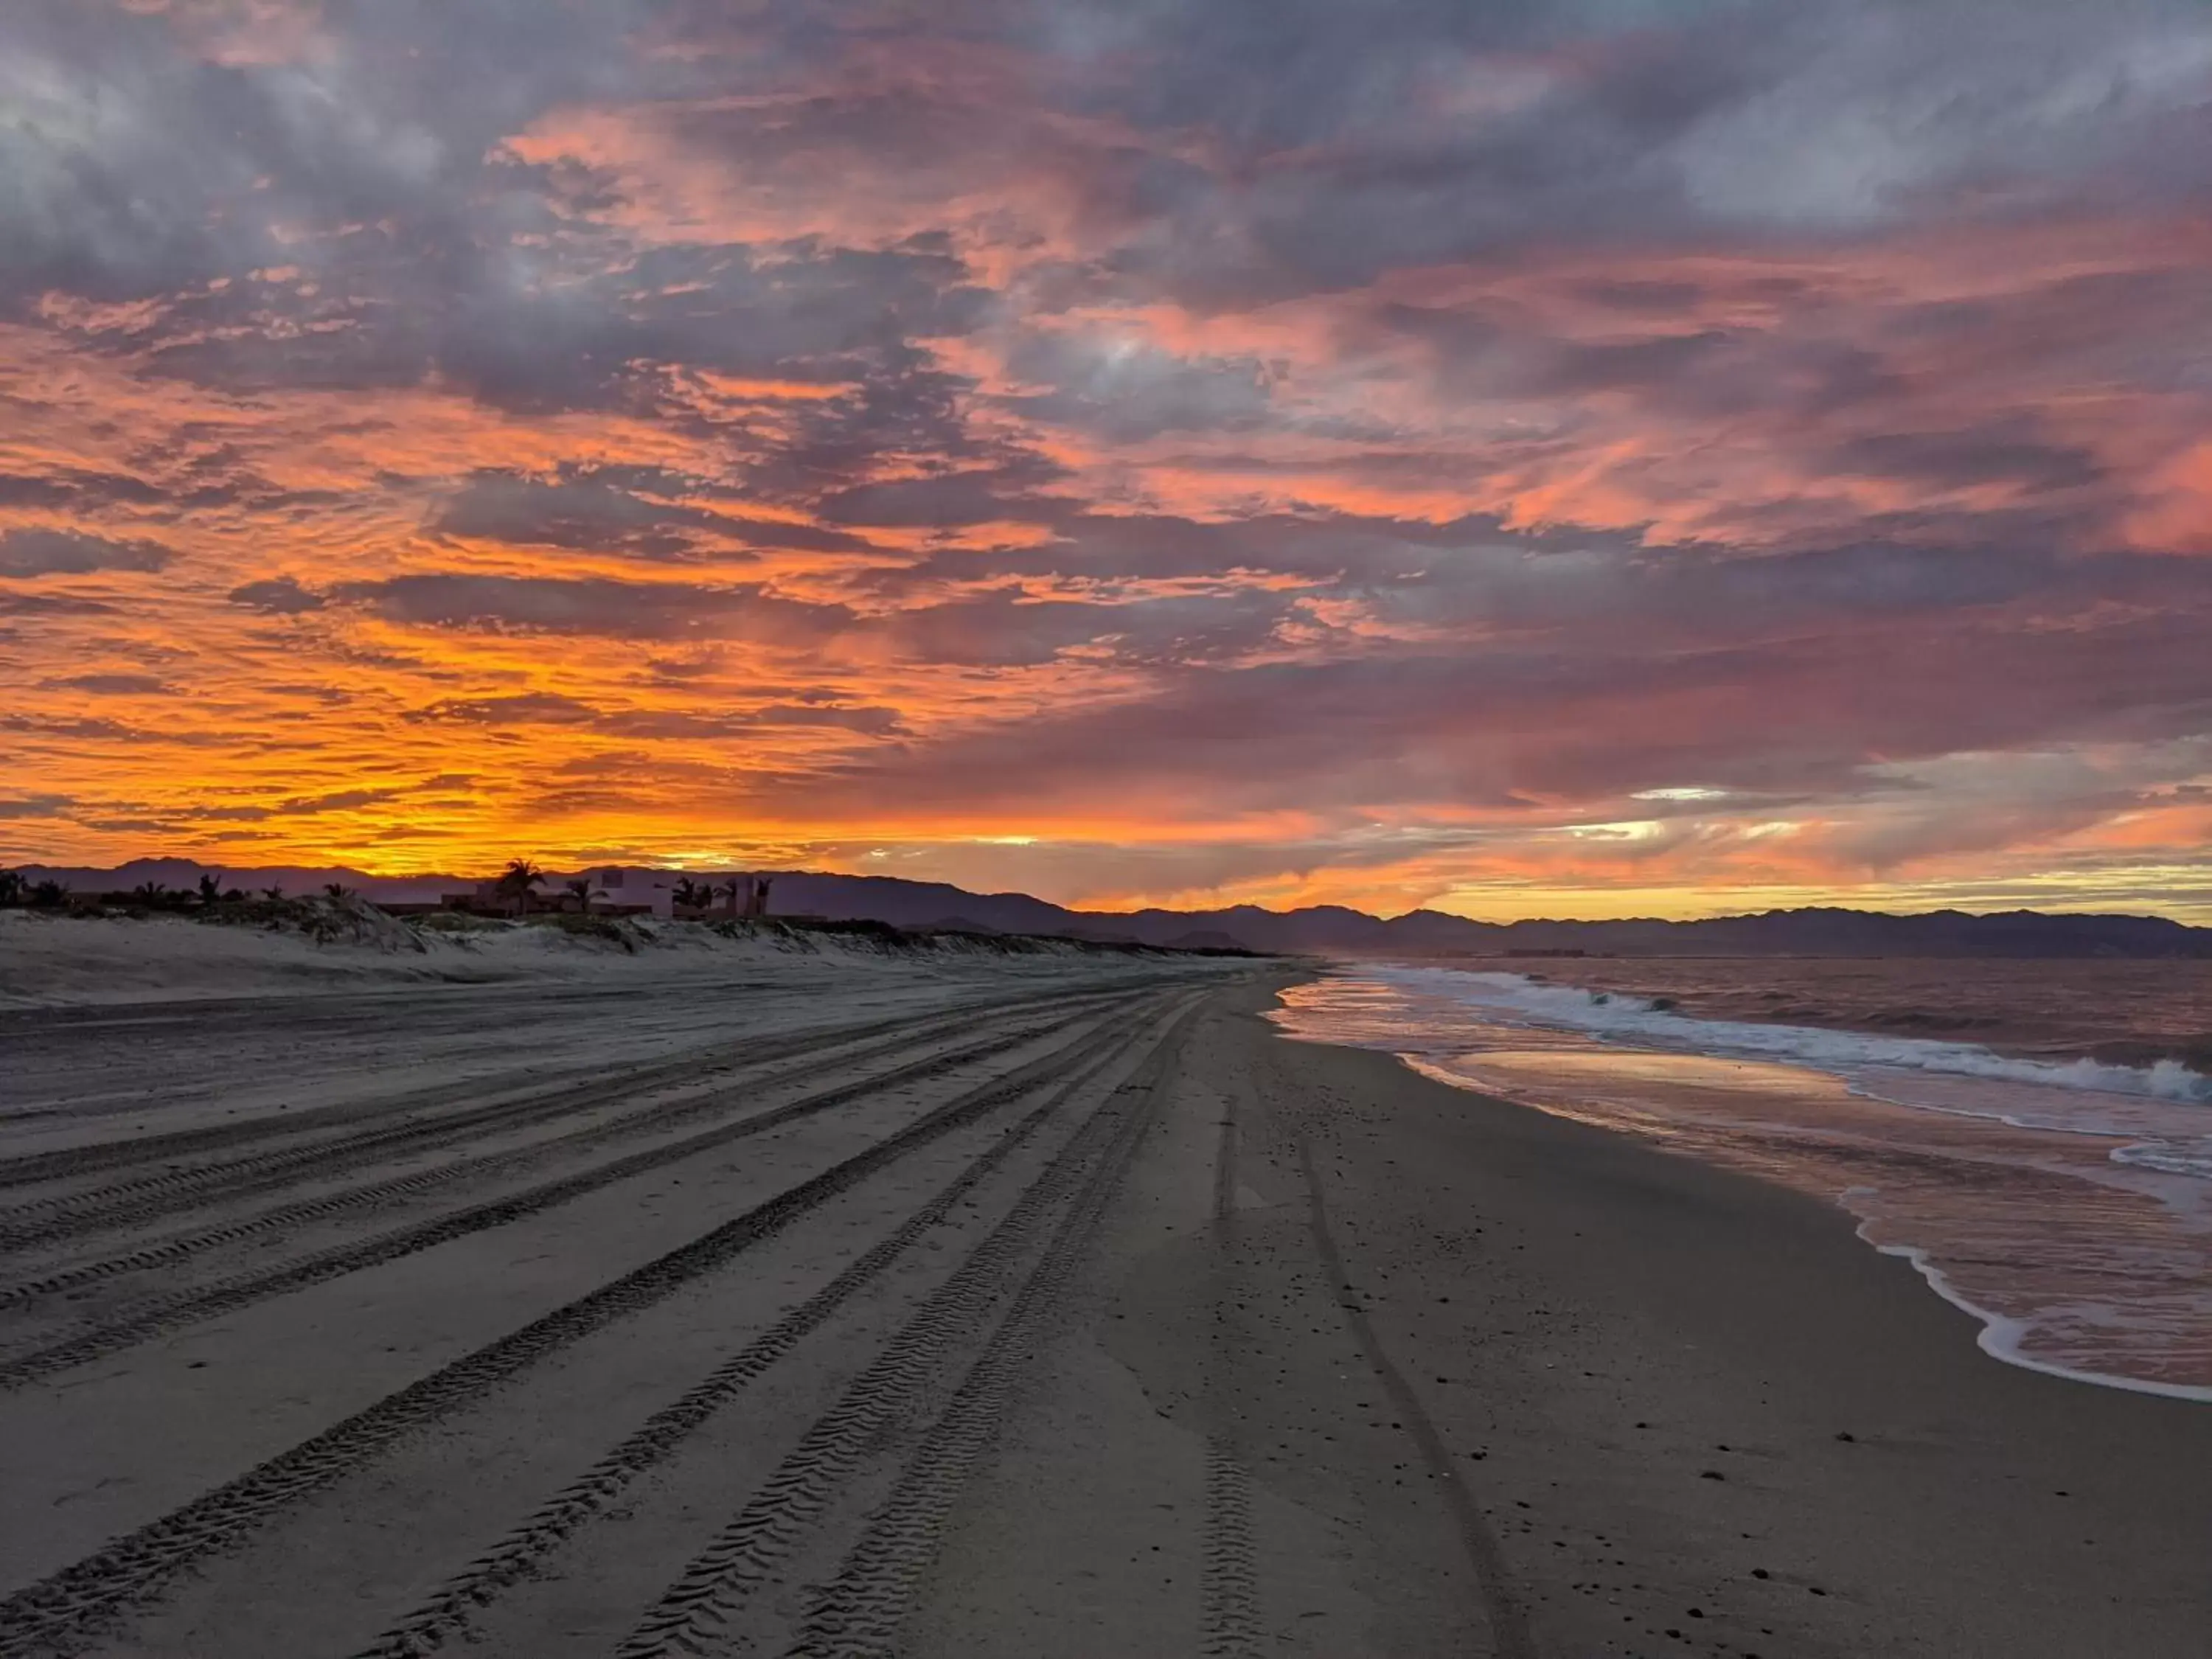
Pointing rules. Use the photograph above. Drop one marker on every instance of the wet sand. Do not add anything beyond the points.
(1503, 1383)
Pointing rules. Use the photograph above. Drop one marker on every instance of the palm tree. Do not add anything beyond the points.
(11, 886)
(337, 889)
(274, 890)
(210, 886)
(150, 893)
(685, 893)
(581, 887)
(516, 881)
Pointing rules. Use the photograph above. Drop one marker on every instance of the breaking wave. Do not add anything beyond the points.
(1512, 998)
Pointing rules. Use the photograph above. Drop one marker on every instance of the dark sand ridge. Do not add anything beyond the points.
(1493, 1382)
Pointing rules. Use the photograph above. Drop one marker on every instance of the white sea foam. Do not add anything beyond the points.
(1611, 1014)
(2003, 1337)
(2170, 1158)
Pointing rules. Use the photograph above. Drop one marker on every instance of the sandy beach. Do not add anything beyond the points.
(986, 1309)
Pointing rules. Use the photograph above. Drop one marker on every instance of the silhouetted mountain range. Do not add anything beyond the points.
(1327, 929)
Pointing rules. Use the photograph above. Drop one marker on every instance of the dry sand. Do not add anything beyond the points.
(1048, 1307)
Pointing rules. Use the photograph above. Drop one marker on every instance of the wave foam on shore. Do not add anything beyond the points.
(1611, 1014)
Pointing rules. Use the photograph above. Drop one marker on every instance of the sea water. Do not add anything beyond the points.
(2062, 1199)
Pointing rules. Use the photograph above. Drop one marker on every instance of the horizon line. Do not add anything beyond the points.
(1952, 908)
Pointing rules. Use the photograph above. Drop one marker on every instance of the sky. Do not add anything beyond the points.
(1518, 456)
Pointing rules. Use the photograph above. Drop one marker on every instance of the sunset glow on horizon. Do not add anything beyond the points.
(1593, 458)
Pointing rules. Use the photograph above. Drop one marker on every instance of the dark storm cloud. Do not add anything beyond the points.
(28, 552)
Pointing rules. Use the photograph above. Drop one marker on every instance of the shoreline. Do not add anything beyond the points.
(1938, 1153)
(2000, 1333)
(2169, 1070)
(1648, 977)
(1654, 1319)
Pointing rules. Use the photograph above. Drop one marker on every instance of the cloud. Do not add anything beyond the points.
(524, 709)
(981, 495)
(52, 604)
(1127, 389)
(282, 596)
(35, 806)
(2000, 453)
(1413, 134)
(338, 800)
(641, 512)
(130, 143)
(34, 552)
(1242, 441)
(675, 725)
(679, 725)
(638, 610)
(113, 685)
(583, 514)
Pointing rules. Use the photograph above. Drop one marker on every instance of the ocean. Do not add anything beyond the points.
(2035, 1137)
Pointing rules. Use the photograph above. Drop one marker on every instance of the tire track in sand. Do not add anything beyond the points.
(163, 1315)
(445, 1614)
(132, 1151)
(1230, 1627)
(1508, 1621)
(35, 1222)
(63, 1612)
(871, 1591)
(668, 1114)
